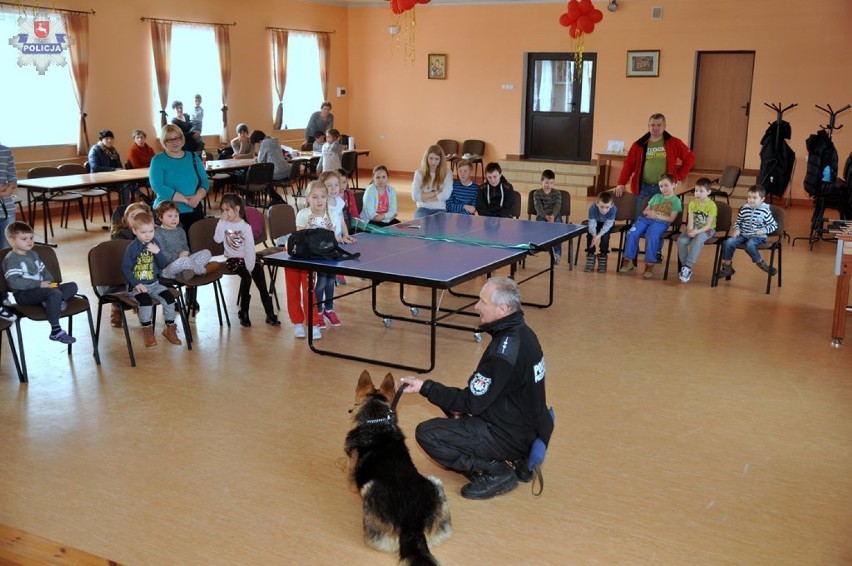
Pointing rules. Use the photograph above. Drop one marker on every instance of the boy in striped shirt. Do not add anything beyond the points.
(463, 198)
(753, 225)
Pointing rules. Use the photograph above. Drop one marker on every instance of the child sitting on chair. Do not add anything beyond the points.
(234, 231)
(548, 206)
(30, 281)
(661, 211)
(182, 265)
(753, 225)
(700, 226)
(143, 260)
(601, 220)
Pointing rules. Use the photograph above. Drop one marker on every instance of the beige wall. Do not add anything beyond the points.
(392, 108)
(801, 53)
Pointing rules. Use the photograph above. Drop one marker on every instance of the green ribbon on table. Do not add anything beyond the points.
(367, 227)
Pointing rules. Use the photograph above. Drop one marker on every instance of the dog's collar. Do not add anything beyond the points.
(390, 418)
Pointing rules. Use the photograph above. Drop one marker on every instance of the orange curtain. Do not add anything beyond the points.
(161, 43)
(77, 26)
(279, 71)
(324, 43)
(223, 42)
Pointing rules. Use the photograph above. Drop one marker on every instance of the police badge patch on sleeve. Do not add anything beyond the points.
(479, 384)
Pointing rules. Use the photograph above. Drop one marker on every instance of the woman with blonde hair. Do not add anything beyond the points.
(433, 183)
(178, 175)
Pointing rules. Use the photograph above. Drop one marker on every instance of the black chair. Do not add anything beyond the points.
(451, 150)
(47, 196)
(349, 164)
(773, 244)
(77, 304)
(88, 194)
(625, 216)
(257, 184)
(6, 326)
(282, 221)
(105, 273)
(724, 186)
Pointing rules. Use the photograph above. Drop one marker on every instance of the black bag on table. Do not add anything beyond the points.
(317, 243)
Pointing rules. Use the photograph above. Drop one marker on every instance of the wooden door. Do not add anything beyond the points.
(559, 113)
(721, 105)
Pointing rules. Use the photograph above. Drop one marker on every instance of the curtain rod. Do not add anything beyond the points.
(46, 9)
(294, 29)
(147, 19)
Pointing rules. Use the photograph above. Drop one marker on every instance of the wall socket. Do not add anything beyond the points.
(507, 87)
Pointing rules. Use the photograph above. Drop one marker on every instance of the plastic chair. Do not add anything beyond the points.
(724, 186)
(256, 186)
(451, 150)
(77, 304)
(625, 216)
(773, 243)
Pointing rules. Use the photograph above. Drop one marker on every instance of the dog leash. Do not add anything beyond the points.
(390, 418)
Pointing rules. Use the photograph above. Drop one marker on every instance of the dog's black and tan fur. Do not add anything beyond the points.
(402, 509)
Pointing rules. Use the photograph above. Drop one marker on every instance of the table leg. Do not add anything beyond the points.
(841, 301)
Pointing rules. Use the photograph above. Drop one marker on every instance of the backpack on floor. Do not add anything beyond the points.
(317, 243)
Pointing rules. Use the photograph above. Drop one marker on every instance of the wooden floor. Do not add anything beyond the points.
(694, 426)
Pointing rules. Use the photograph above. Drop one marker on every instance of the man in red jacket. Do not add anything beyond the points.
(652, 155)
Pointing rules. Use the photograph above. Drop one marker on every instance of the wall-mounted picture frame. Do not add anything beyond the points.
(437, 66)
(643, 63)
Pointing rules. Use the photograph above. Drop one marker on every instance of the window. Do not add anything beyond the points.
(303, 91)
(37, 109)
(194, 70)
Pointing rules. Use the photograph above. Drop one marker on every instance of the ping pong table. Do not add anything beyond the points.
(429, 252)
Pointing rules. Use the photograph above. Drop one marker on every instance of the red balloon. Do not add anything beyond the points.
(585, 25)
(586, 6)
(574, 32)
(573, 3)
(563, 20)
(423, 1)
(407, 4)
(595, 15)
(395, 7)
(573, 12)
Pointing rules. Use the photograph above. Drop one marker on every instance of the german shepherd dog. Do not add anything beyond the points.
(402, 509)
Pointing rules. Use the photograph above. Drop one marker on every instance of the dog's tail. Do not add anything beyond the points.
(413, 549)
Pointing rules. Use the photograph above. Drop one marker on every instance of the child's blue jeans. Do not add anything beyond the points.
(751, 243)
(652, 230)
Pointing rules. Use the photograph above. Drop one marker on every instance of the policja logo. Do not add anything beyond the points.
(41, 42)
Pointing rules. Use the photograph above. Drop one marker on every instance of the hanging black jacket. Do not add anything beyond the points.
(821, 154)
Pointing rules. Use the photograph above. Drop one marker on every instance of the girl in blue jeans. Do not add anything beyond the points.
(661, 211)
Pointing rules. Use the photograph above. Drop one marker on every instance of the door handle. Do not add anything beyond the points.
(746, 107)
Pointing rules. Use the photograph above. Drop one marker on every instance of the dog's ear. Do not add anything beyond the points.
(365, 385)
(388, 388)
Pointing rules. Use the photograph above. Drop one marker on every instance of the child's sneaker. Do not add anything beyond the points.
(7, 314)
(602, 264)
(340, 279)
(320, 322)
(649, 271)
(316, 334)
(685, 274)
(627, 265)
(331, 317)
(299, 330)
(725, 271)
(590, 263)
(62, 337)
(767, 268)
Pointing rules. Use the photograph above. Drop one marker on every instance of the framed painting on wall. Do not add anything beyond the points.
(437, 66)
(643, 63)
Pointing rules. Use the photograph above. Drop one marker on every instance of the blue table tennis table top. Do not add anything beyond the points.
(436, 262)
